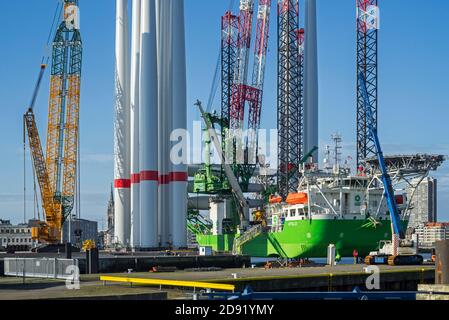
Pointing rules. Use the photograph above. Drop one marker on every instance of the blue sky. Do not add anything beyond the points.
(413, 85)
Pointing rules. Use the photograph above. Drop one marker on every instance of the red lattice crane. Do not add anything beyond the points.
(241, 92)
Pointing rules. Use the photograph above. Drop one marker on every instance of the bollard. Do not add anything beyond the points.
(331, 251)
(92, 261)
(442, 262)
(68, 250)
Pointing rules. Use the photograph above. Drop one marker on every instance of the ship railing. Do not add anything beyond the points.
(247, 236)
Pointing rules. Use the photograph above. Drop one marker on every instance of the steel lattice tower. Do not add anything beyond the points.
(241, 70)
(258, 77)
(289, 96)
(367, 30)
(301, 54)
(235, 90)
(63, 111)
(229, 38)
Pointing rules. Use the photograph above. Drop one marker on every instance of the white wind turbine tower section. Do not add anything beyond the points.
(165, 108)
(148, 128)
(151, 110)
(179, 176)
(122, 127)
(134, 105)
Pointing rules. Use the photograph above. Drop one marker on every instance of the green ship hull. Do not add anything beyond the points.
(308, 239)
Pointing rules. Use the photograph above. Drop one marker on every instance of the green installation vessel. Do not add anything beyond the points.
(347, 211)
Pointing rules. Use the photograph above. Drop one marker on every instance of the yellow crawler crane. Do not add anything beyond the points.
(57, 171)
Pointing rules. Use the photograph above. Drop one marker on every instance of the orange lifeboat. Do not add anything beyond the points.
(297, 198)
(275, 199)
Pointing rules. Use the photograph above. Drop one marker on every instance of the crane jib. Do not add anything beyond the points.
(386, 180)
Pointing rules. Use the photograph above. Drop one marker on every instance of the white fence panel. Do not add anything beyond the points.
(51, 268)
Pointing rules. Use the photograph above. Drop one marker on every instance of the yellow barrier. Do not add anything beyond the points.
(171, 283)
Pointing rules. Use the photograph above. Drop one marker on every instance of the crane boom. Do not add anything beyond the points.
(400, 250)
(235, 186)
(386, 180)
(244, 41)
(261, 46)
(48, 231)
(38, 85)
(239, 86)
(52, 210)
(260, 57)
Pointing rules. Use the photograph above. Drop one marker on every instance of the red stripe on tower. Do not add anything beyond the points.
(149, 176)
(164, 179)
(178, 176)
(122, 183)
(135, 178)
